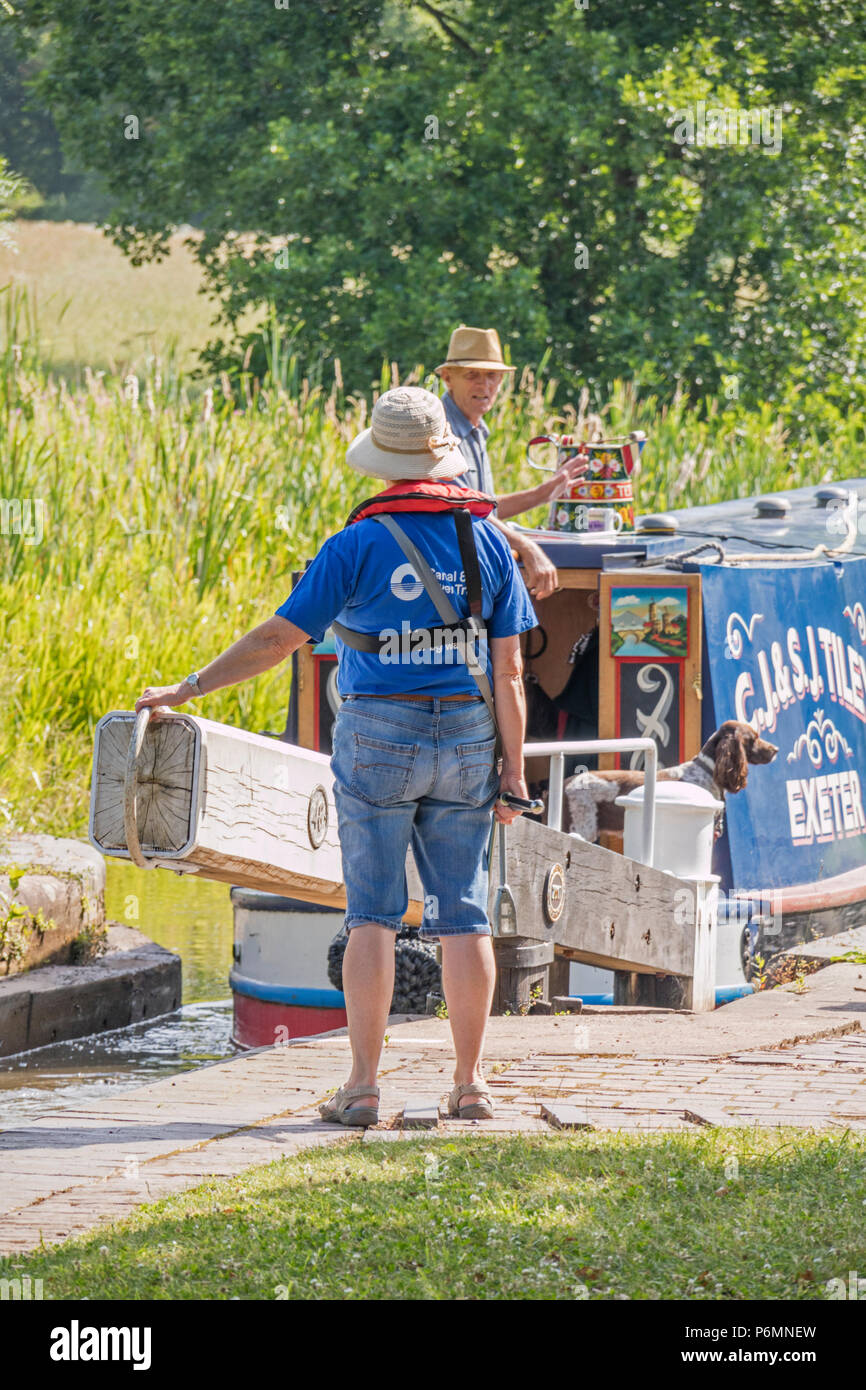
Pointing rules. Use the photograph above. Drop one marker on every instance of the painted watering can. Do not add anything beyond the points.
(601, 500)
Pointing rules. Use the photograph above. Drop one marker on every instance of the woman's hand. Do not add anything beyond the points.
(516, 785)
(169, 695)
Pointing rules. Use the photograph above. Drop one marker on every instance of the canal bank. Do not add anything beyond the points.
(190, 922)
(134, 979)
(67, 971)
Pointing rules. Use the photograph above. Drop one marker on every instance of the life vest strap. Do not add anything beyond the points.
(443, 604)
(469, 556)
(373, 643)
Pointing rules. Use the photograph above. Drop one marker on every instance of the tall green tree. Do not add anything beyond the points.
(29, 138)
(672, 193)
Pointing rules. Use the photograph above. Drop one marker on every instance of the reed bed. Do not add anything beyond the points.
(174, 512)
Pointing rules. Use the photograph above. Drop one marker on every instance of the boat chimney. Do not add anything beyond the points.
(662, 524)
(772, 508)
(825, 495)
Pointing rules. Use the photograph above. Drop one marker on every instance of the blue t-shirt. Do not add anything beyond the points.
(362, 578)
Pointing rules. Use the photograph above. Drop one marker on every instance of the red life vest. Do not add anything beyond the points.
(424, 495)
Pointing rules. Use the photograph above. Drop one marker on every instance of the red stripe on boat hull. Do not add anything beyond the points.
(259, 1023)
(825, 893)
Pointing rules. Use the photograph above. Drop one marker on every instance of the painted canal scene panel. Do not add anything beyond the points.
(650, 637)
(653, 622)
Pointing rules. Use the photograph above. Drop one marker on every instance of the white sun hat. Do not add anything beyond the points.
(409, 437)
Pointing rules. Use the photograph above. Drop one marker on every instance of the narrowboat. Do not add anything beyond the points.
(667, 625)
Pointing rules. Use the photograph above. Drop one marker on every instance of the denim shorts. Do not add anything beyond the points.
(419, 773)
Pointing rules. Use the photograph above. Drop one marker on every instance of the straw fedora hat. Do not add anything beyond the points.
(475, 347)
(409, 437)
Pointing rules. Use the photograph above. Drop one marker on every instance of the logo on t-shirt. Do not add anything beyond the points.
(405, 583)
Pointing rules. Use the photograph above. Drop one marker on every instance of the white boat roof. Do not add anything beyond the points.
(796, 520)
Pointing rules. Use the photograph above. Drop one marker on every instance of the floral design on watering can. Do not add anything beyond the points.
(606, 488)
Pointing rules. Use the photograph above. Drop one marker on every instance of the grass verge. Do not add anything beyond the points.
(752, 1214)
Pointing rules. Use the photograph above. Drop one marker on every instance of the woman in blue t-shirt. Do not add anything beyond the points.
(414, 740)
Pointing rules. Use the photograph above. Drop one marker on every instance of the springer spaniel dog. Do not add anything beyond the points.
(588, 800)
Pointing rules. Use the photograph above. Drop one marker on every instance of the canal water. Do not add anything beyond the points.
(189, 916)
(181, 912)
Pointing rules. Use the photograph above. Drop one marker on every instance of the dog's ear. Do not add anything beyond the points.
(711, 746)
(731, 766)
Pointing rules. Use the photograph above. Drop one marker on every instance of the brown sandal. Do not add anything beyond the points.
(481, 1110)
(338, 1111)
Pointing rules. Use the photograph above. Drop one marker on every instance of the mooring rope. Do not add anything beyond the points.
(675, 562)
(770, 553)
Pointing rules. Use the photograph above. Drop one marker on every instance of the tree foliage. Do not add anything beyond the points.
(30, 141)
(382, 171)
(9, 186)
(28, 138)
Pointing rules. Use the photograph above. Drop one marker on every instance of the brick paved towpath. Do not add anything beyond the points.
(777, 1058)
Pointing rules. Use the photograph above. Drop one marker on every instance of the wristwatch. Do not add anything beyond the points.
(192, 681)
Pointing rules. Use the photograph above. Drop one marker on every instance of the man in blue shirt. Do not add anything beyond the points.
(473, 372)
(414, 740)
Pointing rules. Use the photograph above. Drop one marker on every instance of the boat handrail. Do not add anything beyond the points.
(557, 753)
